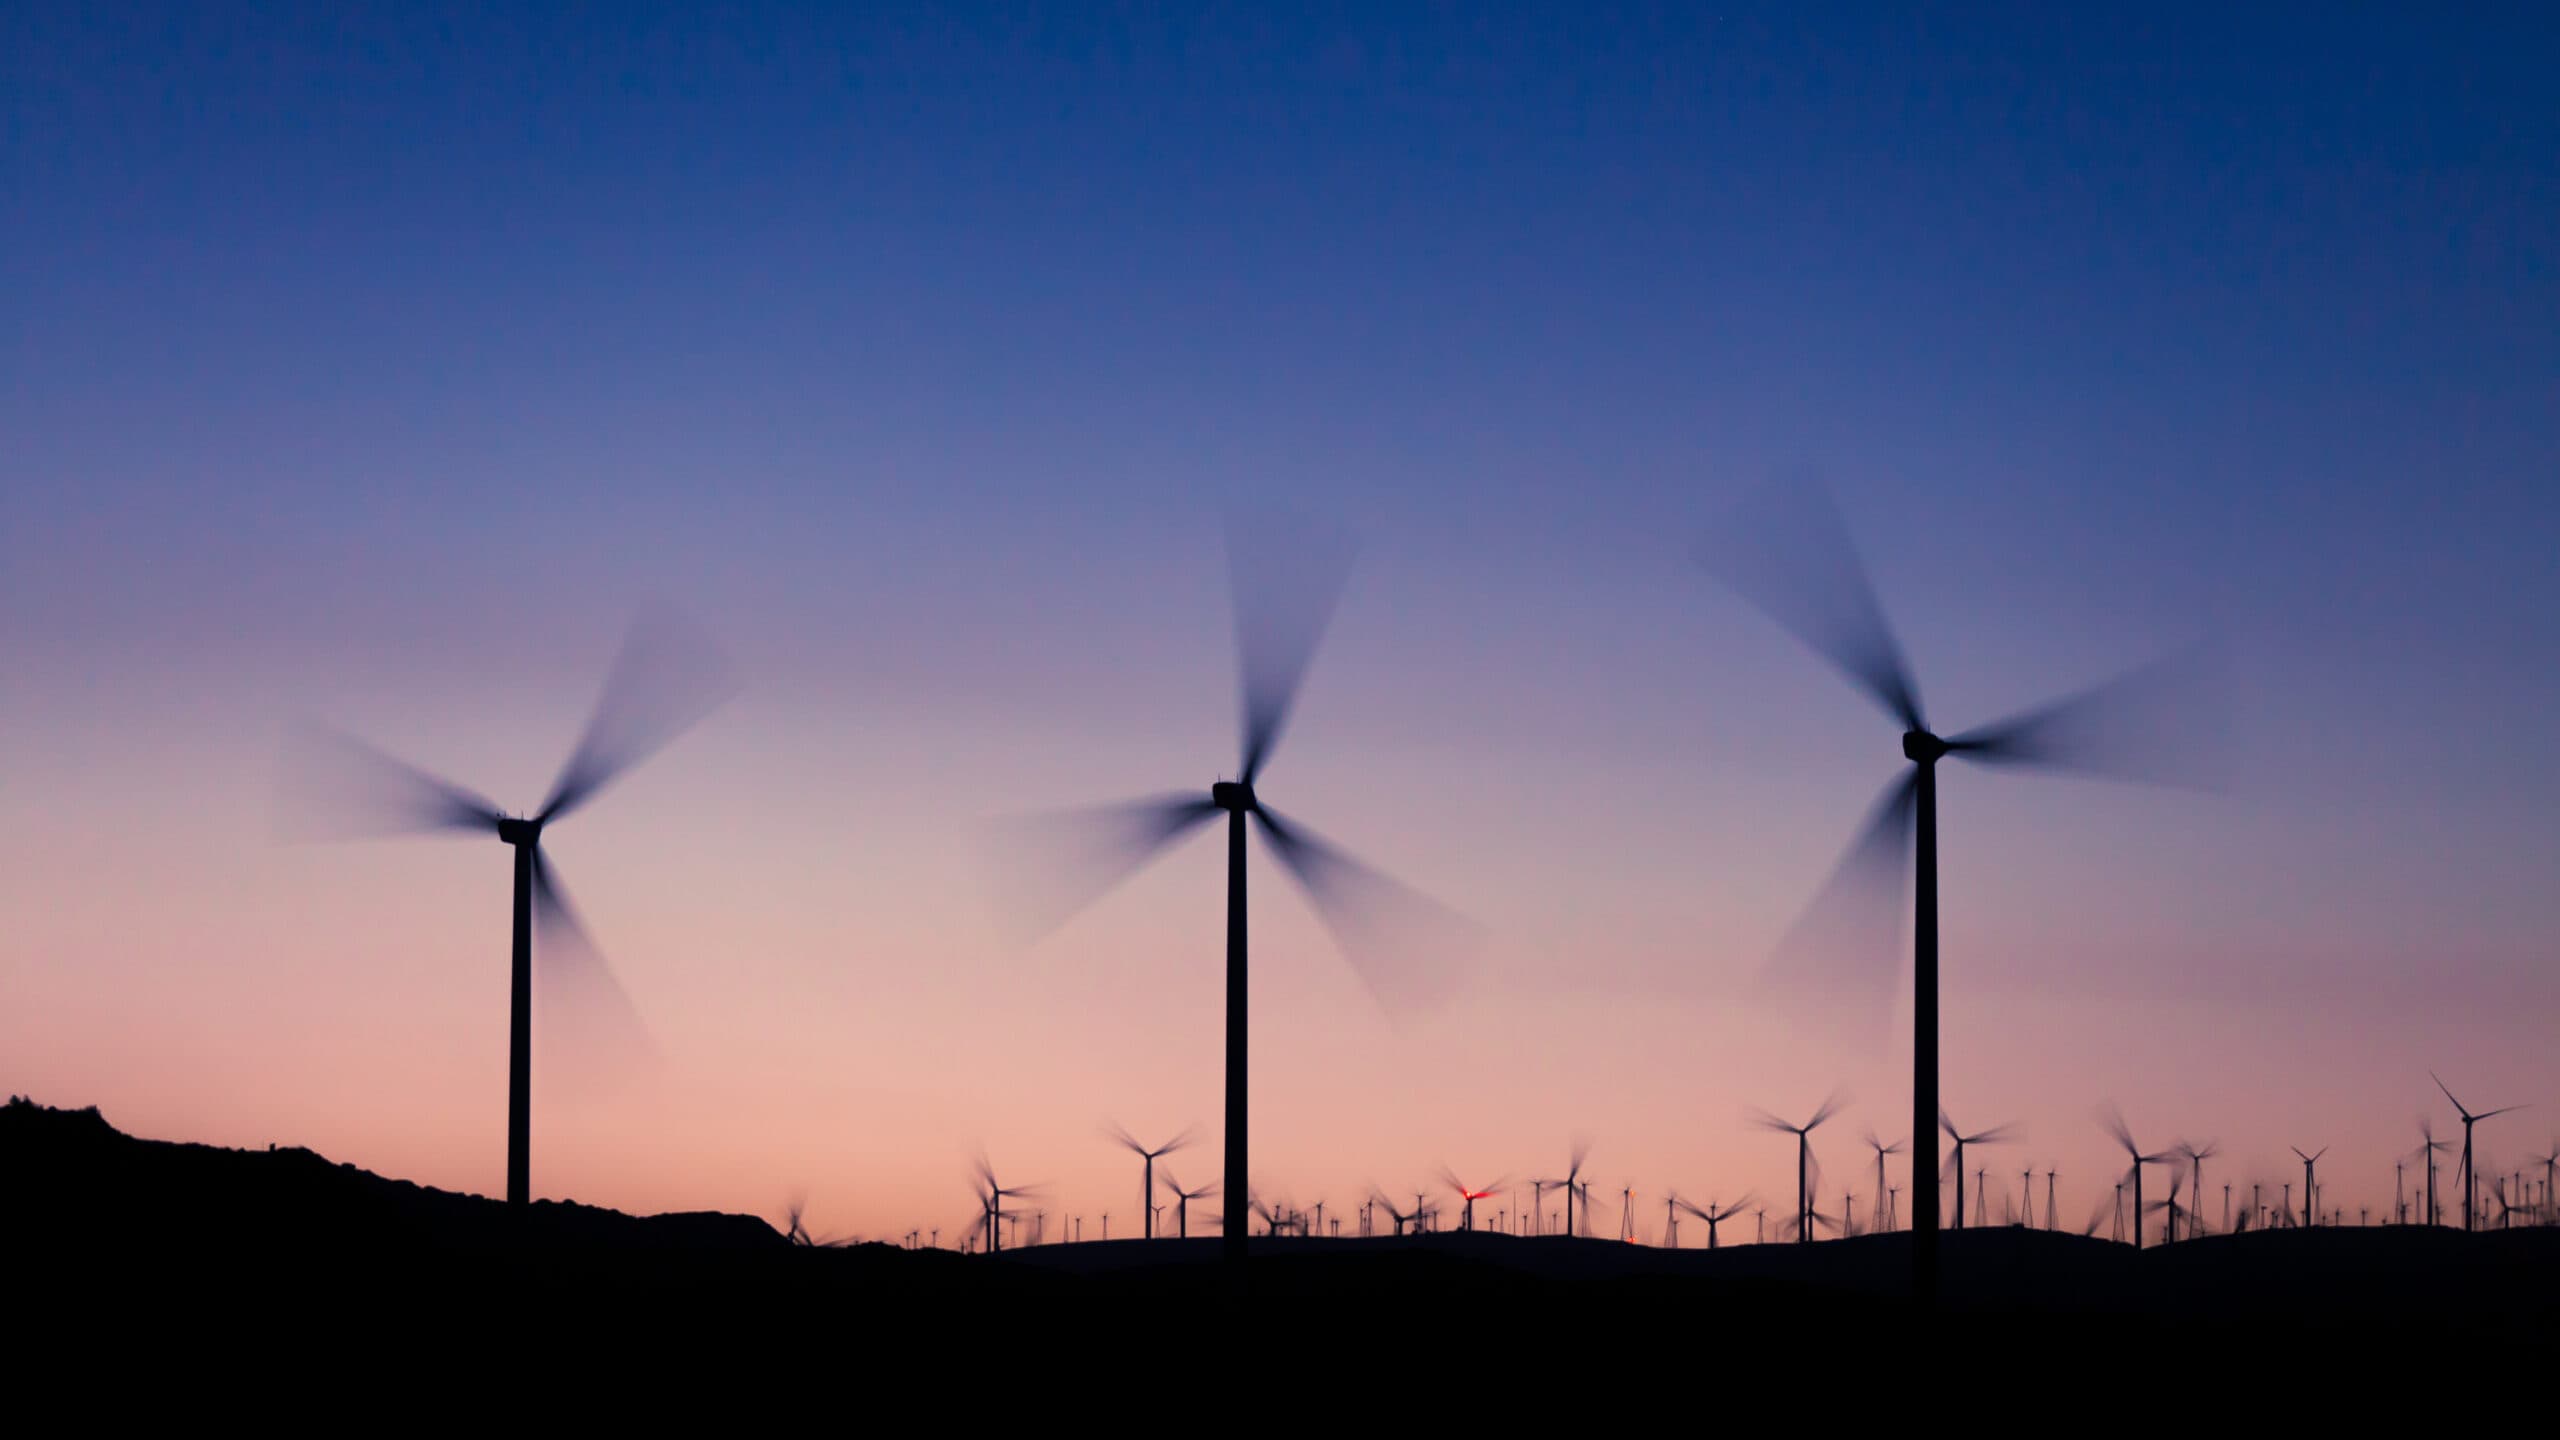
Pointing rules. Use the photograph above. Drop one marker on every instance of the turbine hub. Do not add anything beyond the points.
(1231, 795)
(519, 832)
(1922, 748)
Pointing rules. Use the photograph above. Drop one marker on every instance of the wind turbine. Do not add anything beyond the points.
(2308, 1191)
(2170, 1208)
(1182, 1203)
(991, 1198)
(1147, 1192)
(2195, 1156)
(2124, 1137)
(1996, 1135)
(1285, 587)
(2430, 1147)
(1805, 1170)
(798, 1233)
(1793, 559)
(1883, 1220)
(665, 679)
(2470, 1210)
(1467, 1216)
(1570, 1184)
(1402, 1218)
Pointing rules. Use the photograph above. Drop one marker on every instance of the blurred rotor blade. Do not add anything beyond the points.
(2113, 1120)
(1831, 1105)
(1288, 574)
(1786, 550)
(1837, 967)
(585, 1018)
(2164, 723)
(1050, 866)
(333, 786)
(667, 678)
(1996, 1135)
(1406, 947)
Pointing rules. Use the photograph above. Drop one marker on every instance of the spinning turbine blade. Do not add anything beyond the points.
(1838, 963)
(1402, 944)
(336, 786)
(586, 1019)
(2159, 723)
(667, 678)
(1288, 576)
(1053, 865)
(1787, 551)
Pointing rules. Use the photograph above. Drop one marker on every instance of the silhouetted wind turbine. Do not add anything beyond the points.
(2430, 1147)
(2169, 1208)
(2124, 1136)
(1182, 1203)
(1571, 1183)
(1402, 1218)
(1716, 1215)
(1791, 556)
(798, 1233)
(2195, 1156)
(1996, 1135)
(1285, 590)
(1804, 1159)
(1147, 1193)
(665, 680)
(1467, 1216)
(2470, 1209)
(2308, 1161)
(991, 1198)
(1882, 1189)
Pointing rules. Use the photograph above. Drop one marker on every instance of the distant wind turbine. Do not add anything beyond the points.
(1147, 1190)
(1469, 1195)
(1182, 1202)
(1571, 1183)
(991, 1198)
(1804, 1222)
(2195, 1156)
(2116, 1127)
(1883, 1195)
(1996, 1135)
(2308, 1183)
(2470, 1208)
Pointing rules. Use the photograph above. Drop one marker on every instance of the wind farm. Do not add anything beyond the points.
(1439, 468)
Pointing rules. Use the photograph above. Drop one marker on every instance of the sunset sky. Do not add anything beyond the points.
(379, 366)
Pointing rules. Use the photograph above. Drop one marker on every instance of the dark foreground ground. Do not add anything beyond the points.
(280, 1265)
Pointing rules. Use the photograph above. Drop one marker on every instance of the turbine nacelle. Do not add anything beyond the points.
(1236, 795)
(1922, 748)
(519, 832)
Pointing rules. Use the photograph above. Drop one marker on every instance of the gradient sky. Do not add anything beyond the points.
(380, 363)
